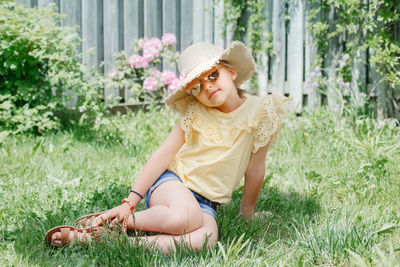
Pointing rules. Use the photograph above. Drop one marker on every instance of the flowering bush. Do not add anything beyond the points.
(346, 96)
(140, 74)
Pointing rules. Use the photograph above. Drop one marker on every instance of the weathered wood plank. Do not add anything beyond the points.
(262, 64)
(171, 24)
(26, 3)
(132, 23)
(208, 21)
(73, 15)
(279, 40)
(152, 18)
(44, 3)
(73, 18)
(219, 38)
(111, 46)
(295, 55)
(186, 37)
(198, 21)
(313, 96)
(133, 30)
(332, 55)
(380, 88)
(91, 39)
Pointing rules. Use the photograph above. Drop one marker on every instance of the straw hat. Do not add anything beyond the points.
(201, 57)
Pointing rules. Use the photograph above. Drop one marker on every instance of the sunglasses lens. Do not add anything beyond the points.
(195, 90)
(213, 76)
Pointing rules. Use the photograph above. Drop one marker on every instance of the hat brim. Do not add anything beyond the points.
(237, 54)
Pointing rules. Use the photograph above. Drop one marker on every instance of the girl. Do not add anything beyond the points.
(223, 135)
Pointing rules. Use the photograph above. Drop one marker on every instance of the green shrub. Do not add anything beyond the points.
(38, 62)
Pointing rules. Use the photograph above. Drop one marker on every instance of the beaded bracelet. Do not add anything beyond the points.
(137, 193)
(131, 207)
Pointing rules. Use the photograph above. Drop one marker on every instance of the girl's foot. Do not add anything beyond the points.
(64, 235)
(87, 220)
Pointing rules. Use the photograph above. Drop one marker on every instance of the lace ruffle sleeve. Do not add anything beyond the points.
(269, 120)
(187, 111)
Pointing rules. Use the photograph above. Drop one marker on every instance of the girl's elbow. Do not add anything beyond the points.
(257, 174)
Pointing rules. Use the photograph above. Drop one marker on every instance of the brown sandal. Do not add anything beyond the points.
(87, 220)
(88, 234)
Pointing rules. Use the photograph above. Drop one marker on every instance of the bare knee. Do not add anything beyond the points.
(206, 239)
(183, 222)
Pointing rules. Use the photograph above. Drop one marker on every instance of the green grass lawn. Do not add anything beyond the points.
(332, 187)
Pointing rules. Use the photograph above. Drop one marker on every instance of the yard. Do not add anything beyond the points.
(330, 196)
(332, 188)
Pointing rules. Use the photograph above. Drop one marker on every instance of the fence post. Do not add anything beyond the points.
(334, 50)
(91, 37)
(133, 23)
(44, 3)
(152, 18)
(111, 45)
(313, 96)
(279, 41)
(219, 38)
(186, 26)
(262, 64)
(295, 55)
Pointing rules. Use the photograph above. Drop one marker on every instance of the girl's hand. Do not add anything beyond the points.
(117, 214)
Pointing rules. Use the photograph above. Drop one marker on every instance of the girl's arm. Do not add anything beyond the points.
(155, 166)
(158, 163)
(254, 177)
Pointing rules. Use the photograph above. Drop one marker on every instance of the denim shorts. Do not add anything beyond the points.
(205, 204)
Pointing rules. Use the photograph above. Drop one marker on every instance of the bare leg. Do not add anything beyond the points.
(173, 210)
(195, 240)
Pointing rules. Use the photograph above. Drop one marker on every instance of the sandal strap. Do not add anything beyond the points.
(65, 235)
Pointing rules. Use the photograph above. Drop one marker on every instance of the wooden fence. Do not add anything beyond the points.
(110, 26)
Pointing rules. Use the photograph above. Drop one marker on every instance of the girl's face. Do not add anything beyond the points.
(217, 88)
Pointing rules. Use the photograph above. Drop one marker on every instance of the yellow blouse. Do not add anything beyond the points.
(218, 145)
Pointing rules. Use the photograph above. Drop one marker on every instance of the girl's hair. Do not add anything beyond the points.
(228, 65)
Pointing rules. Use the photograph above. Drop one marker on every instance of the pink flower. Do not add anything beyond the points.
(174, 84)
(156, 73)
(153, 42)
(342, 64)
(363, 95)
(150, 84)
(307, 83)
(141, 42)
(346, 92)
(168, 39)
(347, 84)
(167, 77)
(134, 59)
(346, 57)
(148, 56)
(317, 69)
(137, 61)
(151, 50)
(340, 82)
(336, 109)
(112, 74)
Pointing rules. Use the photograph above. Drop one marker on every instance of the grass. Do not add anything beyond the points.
(332, 188)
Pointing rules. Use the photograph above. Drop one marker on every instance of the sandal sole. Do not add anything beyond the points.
(54, 230)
